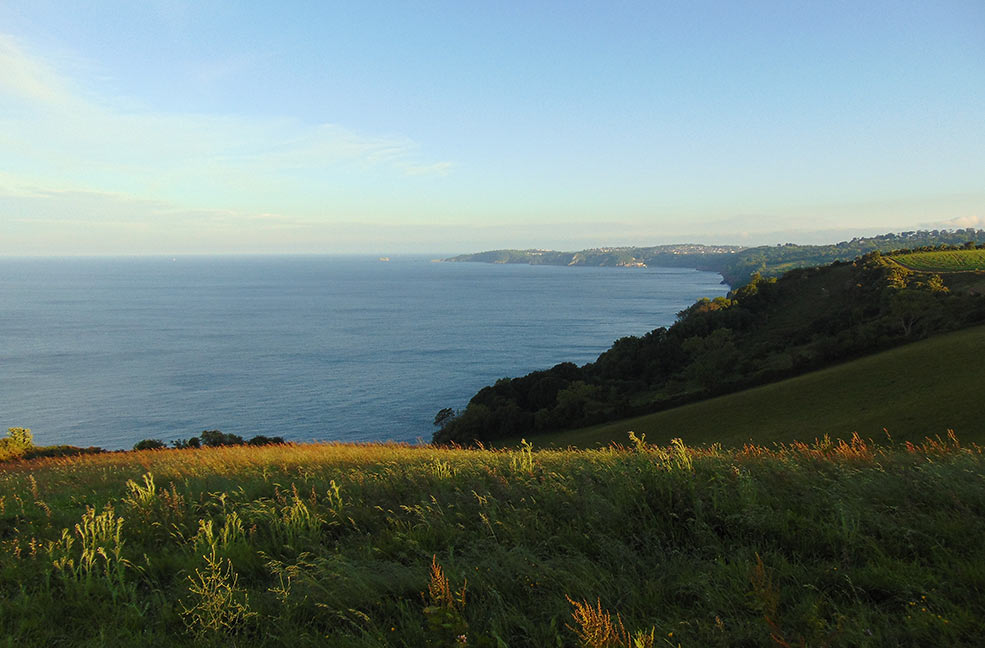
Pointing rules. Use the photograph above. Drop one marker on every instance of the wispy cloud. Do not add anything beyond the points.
(55, 137)
(29, 79)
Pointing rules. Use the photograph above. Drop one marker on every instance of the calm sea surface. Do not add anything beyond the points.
(110, 351)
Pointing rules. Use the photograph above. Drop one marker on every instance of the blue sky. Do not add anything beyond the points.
(173, 127)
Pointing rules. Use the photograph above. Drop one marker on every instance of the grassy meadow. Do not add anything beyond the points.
(830, 544)
(943, 261)
(922, 388)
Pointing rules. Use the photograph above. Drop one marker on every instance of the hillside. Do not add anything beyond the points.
(776, 260)
(736, 264)
(382, 545)
(686, 254)
(965, 260)
(921, 389)
(768, 330)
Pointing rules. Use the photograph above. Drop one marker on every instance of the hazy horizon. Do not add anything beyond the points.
(815, 238)
(171, 127)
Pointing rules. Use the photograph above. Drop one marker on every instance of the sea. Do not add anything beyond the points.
(108, 351)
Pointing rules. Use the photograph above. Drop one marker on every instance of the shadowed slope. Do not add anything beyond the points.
(916, 390)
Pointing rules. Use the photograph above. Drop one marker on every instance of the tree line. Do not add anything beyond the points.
(209, 439)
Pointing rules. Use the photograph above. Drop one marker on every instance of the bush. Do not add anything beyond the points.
(20, 437)
(260, 440)
(215, 438)
(60, 451)
(149, 444)
(17, 442)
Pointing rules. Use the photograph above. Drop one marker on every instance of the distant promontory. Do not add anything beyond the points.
(691, 255)
(735, 263)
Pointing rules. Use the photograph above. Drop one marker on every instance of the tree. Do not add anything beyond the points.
(149, 444)
(443, 417)
(910, 307)
(215, 438)
(898, 277)
(20, 437)
(575, 400)
(713, 358)
(260, 440)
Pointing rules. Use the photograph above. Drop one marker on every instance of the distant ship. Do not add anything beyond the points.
(384, 258)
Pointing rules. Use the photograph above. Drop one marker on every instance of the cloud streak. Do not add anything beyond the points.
(29, 79)
(55, 138)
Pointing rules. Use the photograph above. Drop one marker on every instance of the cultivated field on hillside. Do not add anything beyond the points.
(944, 261)
(837, 544)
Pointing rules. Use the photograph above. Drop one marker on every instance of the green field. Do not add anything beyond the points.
(377, 545)
(920, 389)
(944, 261)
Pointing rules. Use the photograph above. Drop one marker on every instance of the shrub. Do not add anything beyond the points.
(17, 442)
(149, 444)
(260, 440)
(20, 437)
(215, 438)
(59, 451)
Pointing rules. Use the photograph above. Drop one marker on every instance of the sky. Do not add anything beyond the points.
(210, 127)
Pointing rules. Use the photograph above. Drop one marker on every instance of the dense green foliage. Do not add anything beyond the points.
(210, 439)
(322, 545)
(149, 444)
(909, 391)
(767, 330)
(963, 260)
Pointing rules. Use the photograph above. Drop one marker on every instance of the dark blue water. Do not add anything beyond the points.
(110, 351)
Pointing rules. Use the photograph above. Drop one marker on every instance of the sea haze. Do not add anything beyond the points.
(110, 351)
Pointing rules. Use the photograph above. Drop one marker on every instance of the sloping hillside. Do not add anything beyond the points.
(768, 330)
(921, 389)
(967, 260)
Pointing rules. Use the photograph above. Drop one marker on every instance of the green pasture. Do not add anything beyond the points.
(920, 389)
(944, 261)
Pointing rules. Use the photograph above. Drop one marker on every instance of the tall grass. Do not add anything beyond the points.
(838, 543)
